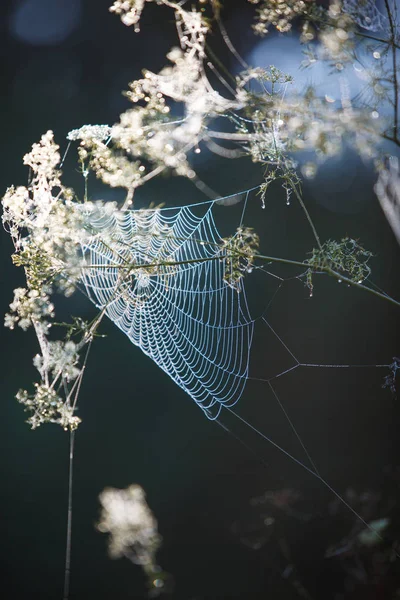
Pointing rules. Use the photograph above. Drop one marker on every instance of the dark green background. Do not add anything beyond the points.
(138, 426)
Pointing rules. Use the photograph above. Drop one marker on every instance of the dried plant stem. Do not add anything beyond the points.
(67, 571)
(394, 63)
(285, 261)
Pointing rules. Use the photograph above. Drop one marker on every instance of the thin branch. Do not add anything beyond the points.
(394, 62)
(129, 199)
(391, 139)
(220, 64)
(67, 572)
(340, 277)
(222, 151)
(229, 44)
(376, 39)
(309, 219)
(304, 264)
(233, 137)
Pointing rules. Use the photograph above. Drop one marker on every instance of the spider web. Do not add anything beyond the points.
(159, 276)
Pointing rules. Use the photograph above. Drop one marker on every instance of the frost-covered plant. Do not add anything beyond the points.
(264, 118)
(48, 227)
(46, 230)
(266, 121)
(347, 258)
(281, 13)
(239, 252)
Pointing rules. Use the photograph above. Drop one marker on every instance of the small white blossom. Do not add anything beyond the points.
(28, 307)
(130, 11)
(43, 159)
(90, 132)
(60, 357)
(279, 13)
(47, 407)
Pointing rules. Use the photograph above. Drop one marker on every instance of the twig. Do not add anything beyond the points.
(371, 37)
(323, 269)
(391, 139)
(394, 62)
(229, 44)
(309, 219)
(67, 572)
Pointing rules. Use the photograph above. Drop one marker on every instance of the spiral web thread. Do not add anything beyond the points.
(183, 316)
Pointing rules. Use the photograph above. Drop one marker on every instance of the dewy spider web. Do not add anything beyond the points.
(159, 275)
(183, 316)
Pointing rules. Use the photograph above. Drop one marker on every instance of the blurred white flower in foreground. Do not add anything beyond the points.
(131, 524)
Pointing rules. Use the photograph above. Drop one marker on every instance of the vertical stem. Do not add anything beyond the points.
(67, 572)
(129, 199)
(309, 219)
(394, 61)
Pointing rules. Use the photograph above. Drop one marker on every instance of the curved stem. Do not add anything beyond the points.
(229, 44)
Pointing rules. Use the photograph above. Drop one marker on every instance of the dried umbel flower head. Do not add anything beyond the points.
(279, 14)
(239, 252)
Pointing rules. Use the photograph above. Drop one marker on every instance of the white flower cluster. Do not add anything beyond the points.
(239, 252)
(334, 27)
(306, 122)
(312, 123)
(47, 228)
(17, 207)
(151, 141)
(28, 307)
(47, 407)
(184, 82)
(62, 358)
(337, 36)
(90, 132)
(279, 13)
(113, 169)
(130, 11)
(52, 222)
(192, 30)
(43, 160)
(132, 526)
